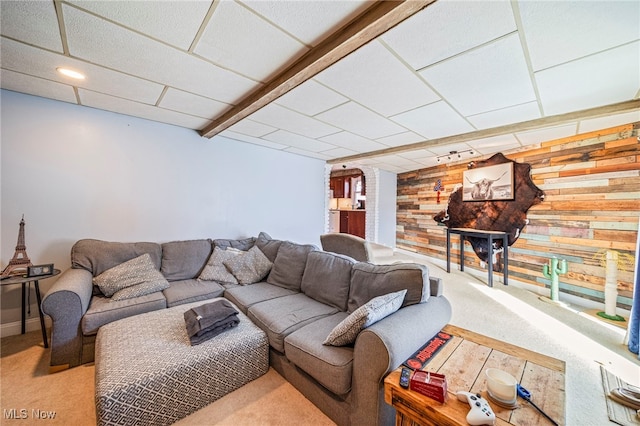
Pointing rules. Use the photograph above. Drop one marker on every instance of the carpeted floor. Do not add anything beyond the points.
(507, 313)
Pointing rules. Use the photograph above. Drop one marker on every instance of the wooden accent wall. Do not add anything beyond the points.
(592, 204)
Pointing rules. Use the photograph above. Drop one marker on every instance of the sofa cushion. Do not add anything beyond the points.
(182, 260)
(327, 278)
(371, 312)
(282, 316)
(103, 311)
(97, 256)
(331, 366)
(249, 267)
(268, 246)
(246, 296)
(135, 277)
(215, 270)
(289, 265)
(186, 291)
(369, 281)
(244, 244)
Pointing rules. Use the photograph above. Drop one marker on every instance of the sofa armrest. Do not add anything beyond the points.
(382, 347)
(66, 302)
(437, 286)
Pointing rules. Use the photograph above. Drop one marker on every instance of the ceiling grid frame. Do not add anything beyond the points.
(619, 106)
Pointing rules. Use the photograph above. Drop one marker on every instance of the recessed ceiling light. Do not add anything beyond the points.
(70, 73)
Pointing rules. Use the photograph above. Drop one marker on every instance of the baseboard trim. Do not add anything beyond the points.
(15, 328)
(578, 302)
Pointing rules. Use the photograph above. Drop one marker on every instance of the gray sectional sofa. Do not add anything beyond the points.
(306, 294)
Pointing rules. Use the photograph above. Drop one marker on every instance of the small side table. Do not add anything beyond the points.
(490, 236)
(24, 280)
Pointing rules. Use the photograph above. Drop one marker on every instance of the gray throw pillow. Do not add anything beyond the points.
(268, 245)
(250, 267)
(327, 278)
(183, 260)
(289, 265)
(215, 270)
(243, 245)
(369, 281)
(139, 272)
(366, 315)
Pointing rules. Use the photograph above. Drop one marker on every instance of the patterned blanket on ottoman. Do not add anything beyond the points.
(147, 373)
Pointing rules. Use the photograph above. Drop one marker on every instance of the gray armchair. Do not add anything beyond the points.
(347, 244)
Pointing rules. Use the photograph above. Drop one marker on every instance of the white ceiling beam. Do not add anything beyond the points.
(373, 22)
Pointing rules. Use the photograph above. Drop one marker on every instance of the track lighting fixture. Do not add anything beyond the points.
(454, 153)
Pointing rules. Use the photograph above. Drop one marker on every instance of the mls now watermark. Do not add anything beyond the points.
(23, 414)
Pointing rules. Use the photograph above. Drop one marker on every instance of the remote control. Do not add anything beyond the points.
(480, 413)
(404, 377)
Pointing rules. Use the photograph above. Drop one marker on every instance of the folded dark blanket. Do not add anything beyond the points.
(210, 319)
(214, 331)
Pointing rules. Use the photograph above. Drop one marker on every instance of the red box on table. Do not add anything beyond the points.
(429, 384)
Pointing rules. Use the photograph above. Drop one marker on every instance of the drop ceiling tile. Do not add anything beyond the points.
(434, 121)
(33, 22)
(250, 139)
(596, 80)
(361, 121)
(400, 139)
(561, 31)
(504, 116)
(418, 154)
(426, 162)
(396, 169)
(252, 128)
(309, 21)
(110, 45)
(371, 162)
(285, 119)
(41, 63)
(488, 78)
(174, 22)
(136, 109)
(447, 28)
(352, 141)
(297, 141)
(610, 121)
(395, 160)
(37, 86)
(494, 144)
(191, 104)
(374, 77)
(338, 153)
(305, 153)
(311, 98)
(549, 134)
(258, 53)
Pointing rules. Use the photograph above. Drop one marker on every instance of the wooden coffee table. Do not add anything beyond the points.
(463, 361)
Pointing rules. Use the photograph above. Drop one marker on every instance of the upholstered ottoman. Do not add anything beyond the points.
(147, 373)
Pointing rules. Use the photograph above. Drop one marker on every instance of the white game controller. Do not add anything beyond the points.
(480, 413)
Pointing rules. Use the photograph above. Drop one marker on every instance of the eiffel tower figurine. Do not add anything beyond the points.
(20, 261)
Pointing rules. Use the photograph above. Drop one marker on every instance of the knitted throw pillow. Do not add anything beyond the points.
(215, 270)
(250, 267)
(366, 315)
(135, 277)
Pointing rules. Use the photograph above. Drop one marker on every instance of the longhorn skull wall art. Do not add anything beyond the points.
(492, 206)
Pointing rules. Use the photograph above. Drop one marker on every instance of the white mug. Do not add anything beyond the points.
(501, 385)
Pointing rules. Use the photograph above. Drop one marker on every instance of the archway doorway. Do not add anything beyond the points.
(350, 200)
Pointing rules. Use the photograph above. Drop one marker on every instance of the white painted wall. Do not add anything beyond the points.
(77, 172)
(386, 203)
